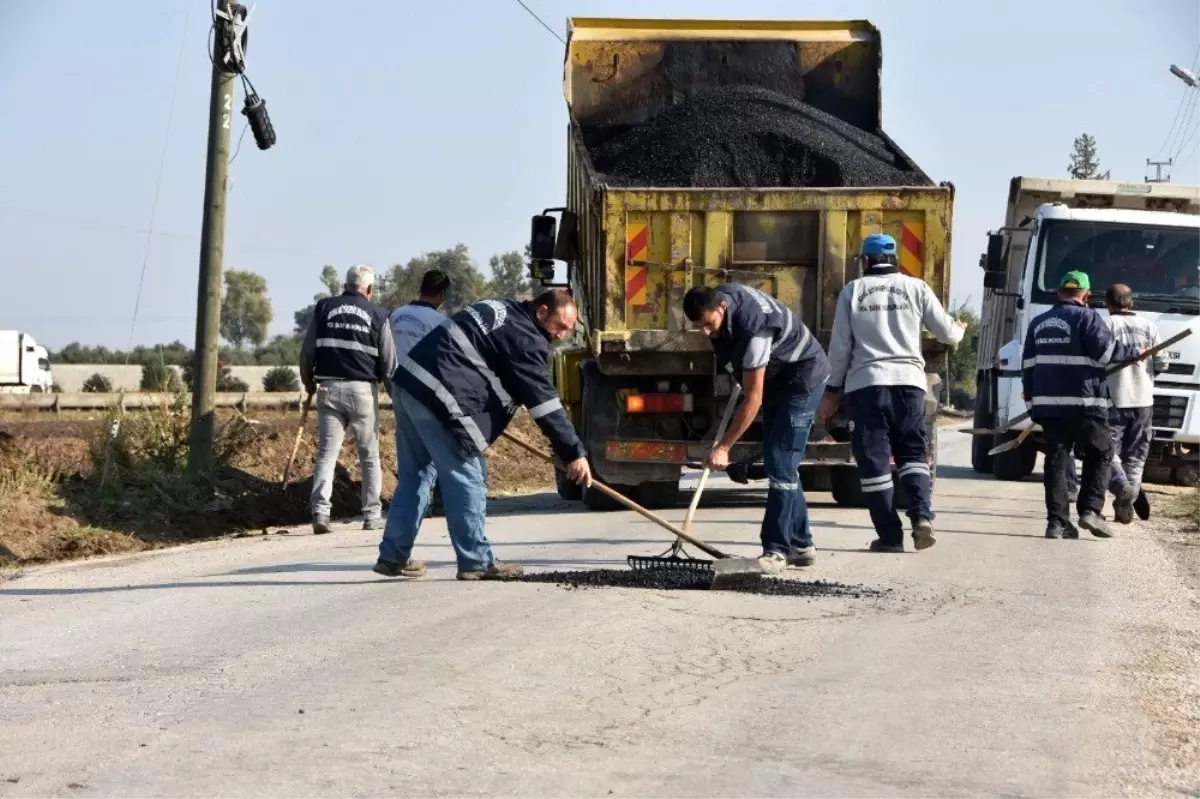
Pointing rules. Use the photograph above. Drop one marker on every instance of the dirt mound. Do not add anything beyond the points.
(52, 510)
(744, 136)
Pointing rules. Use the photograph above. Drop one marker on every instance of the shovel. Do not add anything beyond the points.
(726, 570)
(287, 470)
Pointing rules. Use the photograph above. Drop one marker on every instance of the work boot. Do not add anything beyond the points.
(1141, 506)
(802, 556)
(321, 524)
(1095, 525)
(923, 534)
(1123, 504)
(375, 523)
(1056, 529)
(497, 571)
(1070, 530)
(391, 568)
(773, 562)
(878, 545)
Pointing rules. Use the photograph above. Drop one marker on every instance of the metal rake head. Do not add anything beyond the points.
(672, 563)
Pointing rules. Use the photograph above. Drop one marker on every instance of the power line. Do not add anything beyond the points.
(1183, 97)
(1176, 143)
(162, 162)
(553, 32)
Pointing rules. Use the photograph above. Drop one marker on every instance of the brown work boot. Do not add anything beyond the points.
(497, 571)
(391, 568)
(923, 534)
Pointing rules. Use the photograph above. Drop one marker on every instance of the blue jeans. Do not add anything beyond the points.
(426, 450)
(786, 425)
(889, 422)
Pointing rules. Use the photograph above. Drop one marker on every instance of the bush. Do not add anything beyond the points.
(225, 379)
(98, 384)
(281, 378)
(157, 376)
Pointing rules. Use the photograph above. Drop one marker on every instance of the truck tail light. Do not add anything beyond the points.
(658, 403)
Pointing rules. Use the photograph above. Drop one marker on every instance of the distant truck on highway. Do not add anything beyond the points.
(1146, 235)
(643, 389)
(24, 364)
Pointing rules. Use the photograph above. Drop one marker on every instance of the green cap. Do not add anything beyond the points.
(1076, 280)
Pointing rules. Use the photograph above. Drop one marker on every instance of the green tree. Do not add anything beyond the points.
(158, 376)
(1084, 160)
(281, 378)
(964, 359)
(245, 309)
(509, 277)
(279, 351)
(303, 317)
(225, 379)
(467, 283)
(97, 384)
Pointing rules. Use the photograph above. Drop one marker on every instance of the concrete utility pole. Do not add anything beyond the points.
(212, 252)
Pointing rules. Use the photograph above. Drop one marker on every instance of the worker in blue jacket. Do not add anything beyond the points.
(1067, 350)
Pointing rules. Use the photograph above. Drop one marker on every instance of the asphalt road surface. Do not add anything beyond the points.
(999, 664)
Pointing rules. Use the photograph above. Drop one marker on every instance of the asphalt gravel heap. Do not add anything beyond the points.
(684, 580)
(747, 137)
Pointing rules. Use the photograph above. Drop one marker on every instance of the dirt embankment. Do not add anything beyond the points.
(49, 490)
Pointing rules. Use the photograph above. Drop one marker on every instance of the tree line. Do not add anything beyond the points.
(247, 312)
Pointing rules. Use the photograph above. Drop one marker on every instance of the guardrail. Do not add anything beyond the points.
(138, 400)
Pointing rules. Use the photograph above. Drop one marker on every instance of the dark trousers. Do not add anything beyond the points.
(1091, 440)
(889, 423)
(787, 422)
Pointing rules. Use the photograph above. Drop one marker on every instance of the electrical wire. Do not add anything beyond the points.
(541, 21)
(162, 162)
(1178, 110)
(1189, 113)
(238, 149)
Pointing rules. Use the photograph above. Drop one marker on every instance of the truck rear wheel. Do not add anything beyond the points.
(981, 461)
(846, 488)
(572, 492)
(658, 495)
(1016, 464)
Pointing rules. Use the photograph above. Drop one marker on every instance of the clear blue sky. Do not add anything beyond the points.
(406, 127)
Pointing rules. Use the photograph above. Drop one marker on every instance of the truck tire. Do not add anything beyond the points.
(658, 495)
(981, 461)
(593, 499)
(571, 492)
(846, 488)
(1016, 464)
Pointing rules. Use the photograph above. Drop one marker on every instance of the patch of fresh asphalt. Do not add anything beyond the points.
(998, 663)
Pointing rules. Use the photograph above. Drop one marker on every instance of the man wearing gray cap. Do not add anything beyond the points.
(347, 349)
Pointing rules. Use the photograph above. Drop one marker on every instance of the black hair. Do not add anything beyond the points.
(553, 299)
(698, 300)
(1120, 297)
(876, 260)
(434, 282)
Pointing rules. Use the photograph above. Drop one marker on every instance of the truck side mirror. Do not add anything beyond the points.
(995, 253)
(542, 237)
(997, 281)
(566, 246)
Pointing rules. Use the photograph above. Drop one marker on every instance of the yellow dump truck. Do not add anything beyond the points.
(643, 390)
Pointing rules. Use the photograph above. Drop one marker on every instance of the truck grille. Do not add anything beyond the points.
(1169, 411)
(1180, 369)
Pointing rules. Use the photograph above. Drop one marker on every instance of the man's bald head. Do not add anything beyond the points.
(1119, 297)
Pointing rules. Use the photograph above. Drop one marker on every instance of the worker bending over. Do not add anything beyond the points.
(1066, 351)
(782, 370)
(456, 392)
(877, 366)
(410, 323)
(347, 350)
(1132, 393)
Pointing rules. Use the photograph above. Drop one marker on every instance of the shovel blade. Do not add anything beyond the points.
(729, 572)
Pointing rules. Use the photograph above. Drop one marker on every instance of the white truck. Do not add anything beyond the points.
(24, 364)
(1146, 235)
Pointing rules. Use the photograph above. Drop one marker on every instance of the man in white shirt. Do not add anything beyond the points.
(410, 323)
(1132, 393)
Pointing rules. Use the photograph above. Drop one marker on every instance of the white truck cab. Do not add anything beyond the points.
(1146, 236)
(24, 364)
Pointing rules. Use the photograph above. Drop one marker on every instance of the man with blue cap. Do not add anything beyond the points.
(877, 367)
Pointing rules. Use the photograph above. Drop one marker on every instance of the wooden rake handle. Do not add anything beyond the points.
(629, 503)
(287, 471)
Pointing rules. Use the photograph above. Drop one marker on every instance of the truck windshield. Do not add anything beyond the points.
(1160, 264)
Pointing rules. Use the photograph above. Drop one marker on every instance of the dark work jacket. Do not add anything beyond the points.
(797, 364)
(349, 339)
(475, 369)
(1066, 352)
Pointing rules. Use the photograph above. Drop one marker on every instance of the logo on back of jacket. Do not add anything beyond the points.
(499, 315)
(348, 309)
(1052, 326)
(897, 299)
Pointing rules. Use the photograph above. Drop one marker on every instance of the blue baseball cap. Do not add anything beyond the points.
(878, 244)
